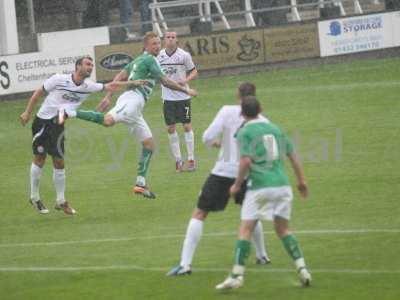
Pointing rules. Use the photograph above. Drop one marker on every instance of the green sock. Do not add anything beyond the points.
(91, 116)
(292, 246)
(144, 162)
(242, 252)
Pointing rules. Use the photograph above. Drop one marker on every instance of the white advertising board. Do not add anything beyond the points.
(396, 28)
(356, 34)
(64, 40)
(26, 72)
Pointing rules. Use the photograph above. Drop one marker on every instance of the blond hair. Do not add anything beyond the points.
(148, 36)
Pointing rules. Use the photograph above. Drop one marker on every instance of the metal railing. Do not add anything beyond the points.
(159, 21)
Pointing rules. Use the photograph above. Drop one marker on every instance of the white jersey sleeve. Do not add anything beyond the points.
(51, 82)
(215, 129)
(93, 87)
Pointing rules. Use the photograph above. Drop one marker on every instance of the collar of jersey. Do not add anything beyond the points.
(260, 119)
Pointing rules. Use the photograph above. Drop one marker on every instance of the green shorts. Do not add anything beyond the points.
(177, 111)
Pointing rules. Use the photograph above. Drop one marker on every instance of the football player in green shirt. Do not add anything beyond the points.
(140, 77)
(269, 196)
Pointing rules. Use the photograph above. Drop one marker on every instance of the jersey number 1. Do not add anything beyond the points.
(271, 147)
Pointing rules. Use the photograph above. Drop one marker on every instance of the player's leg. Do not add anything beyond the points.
(189, 140)
(292, 247)
(57, 151)
(169, 109)
(258, 234)
(194, 231)
(281, 213)
(59, 185)
(186, 119)
(39, 149)
(242, 252)
(252, 206)
(35, 175)
(262, 257)
(86, 115)
(119, 113)
(174, 145)
(214, 196)
(142, 132)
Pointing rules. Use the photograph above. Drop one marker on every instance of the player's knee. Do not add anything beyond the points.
(187, 127)
(246, 228)
(39, 160)
(108, 120)
(199, 214)
(58, 163)
(171, 129)
(148, 143)
(281, 227)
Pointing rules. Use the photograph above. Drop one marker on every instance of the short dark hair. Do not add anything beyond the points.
(250, 107)
(246, 89)
(79, 61)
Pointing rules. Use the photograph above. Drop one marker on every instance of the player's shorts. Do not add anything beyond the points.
(128, 110)
(214, 195)
(177, 112)
(48, 137)
(267, 203)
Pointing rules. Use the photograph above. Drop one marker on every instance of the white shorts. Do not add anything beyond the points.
(266, 203)
(128, 110)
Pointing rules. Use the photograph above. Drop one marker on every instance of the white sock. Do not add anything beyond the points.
(300, 263)
(36, 173)
(140, 180)
(59, 184)
(174, 145)
(258, 238)
(193, 235)
(189, 139)
(70, 113)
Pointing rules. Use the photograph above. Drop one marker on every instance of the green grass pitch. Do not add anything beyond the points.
(344, 119)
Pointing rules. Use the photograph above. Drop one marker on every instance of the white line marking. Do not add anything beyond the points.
(332, 87)
(164, 269)
(169, 236)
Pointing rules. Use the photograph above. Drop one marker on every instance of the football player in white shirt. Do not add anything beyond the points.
(214, 195)
(178, 65)
(63, 91)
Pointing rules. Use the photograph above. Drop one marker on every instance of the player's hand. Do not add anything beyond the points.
(191, 92)
(234, 190)
(303, 189)
(216, 144)
(111, 86)
(24, 118)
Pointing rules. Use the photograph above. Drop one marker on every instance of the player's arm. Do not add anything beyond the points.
(25, 116)
(118, 84)
(177, 87)
(121, 76)
(192, 74)
(298, 171)
(214, 130)
(190, 67)
(244, 166)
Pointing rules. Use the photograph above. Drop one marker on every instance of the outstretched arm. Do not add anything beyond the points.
(176, 86)
(298, 170)
(114, 85)
(25, 116)
(110, 88)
